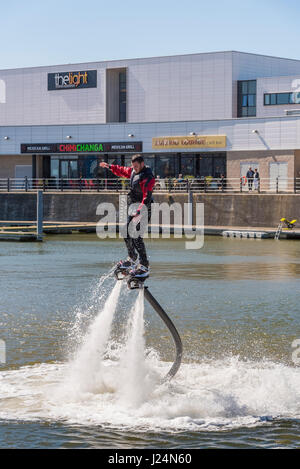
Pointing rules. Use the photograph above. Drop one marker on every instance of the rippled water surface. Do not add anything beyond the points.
(84, 369)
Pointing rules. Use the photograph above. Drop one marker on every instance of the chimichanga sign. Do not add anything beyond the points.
(195, 141)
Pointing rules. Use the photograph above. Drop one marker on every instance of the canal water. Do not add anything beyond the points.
(85, 356)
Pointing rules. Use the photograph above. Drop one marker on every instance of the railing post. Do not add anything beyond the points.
(44, 184)
(98, 185)
(295, 182)
(39, 215)
(204, 180)
(190, 208)
(26, 184)
(241, 185)
(8, 184)
(80, 184)
(277, 185)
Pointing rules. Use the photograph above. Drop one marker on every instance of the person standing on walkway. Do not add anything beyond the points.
(256, 181)
(249, 176)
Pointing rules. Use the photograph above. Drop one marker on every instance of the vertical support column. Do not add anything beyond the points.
(190, 207)
(39, 214)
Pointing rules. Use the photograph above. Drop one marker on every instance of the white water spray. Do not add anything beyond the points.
(85, 312)
(86, 372)
(134, 386)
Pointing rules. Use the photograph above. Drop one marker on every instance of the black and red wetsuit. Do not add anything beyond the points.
(141, 187)
(141, 184)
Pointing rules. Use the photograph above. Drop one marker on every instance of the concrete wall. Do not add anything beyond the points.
(182, 87)
(8, 164)
(176, 88)
(278, 133)
(220, 209)
(263, 160)
(246, 210)
(297, 164)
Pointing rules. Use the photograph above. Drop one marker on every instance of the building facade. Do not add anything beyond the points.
(199, 115)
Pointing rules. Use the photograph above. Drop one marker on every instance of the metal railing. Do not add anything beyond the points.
(277, 185)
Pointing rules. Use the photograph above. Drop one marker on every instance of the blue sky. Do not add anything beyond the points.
(34, 33)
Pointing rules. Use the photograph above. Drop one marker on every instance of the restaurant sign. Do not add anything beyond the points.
(94, 147)
(196, 141)
(72, 80)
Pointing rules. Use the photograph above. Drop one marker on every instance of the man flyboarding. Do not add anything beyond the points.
(141, 186)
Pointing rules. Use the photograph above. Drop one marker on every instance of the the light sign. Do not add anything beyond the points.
(72, 80)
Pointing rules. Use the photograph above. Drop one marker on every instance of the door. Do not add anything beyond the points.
(64, 169)
(280, 171)
(68, 169)
(245, 166)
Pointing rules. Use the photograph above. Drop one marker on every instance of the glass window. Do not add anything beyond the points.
(89, 166)
(102, 172)
(206, 165)
(150, 161)
(252, 87)
(246, 98)
(283, 98)
(73, 169)
(165, 166)
(122, 97)
(251, 100)
(244, 87)
(187, 165)
(211, 164)
(54, 168)
(251, 111)
(114, 159)
(219, 166)
(64, 168)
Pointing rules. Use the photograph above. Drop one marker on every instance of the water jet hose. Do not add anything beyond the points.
(176, 337)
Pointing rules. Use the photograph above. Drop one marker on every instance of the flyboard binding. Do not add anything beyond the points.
(133, 282)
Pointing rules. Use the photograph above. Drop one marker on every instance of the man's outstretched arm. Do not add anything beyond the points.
(122, 171)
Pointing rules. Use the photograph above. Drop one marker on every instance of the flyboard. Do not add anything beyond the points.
(134, 283)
